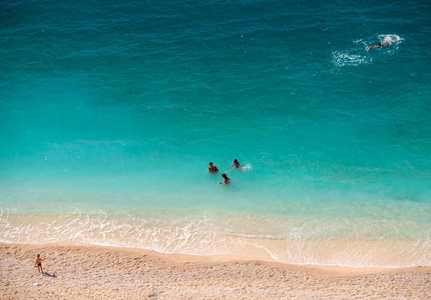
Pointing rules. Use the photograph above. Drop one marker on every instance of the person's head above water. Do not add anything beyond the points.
(212, 168)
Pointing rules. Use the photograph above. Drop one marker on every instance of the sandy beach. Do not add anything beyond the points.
(96, 272)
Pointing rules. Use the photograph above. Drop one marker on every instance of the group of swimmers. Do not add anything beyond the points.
(213, 169)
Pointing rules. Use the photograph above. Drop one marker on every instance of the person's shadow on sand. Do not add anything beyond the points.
(50, 275)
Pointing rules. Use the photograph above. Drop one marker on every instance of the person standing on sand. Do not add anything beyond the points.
(212, 168)
(225, 179)
(38, 263)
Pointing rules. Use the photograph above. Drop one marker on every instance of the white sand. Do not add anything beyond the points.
(94, 272)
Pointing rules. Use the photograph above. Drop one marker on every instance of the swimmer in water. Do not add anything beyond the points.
(225, 179)
(236, 165)
(382, 44)
(212, 168)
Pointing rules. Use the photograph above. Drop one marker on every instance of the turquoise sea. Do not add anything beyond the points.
(110, 112)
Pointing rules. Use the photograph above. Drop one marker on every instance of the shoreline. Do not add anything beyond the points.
(189, 238)
(102, 272)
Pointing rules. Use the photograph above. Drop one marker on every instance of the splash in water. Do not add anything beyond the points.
(355, 56)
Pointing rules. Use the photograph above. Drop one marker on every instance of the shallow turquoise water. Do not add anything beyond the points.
(111, 112)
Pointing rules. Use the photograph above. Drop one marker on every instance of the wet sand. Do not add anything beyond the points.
(97, 272)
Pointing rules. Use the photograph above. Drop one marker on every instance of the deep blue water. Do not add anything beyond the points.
(111, 111)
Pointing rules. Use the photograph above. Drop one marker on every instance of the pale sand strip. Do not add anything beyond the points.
(93, 272)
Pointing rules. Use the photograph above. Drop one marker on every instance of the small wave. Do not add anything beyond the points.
(247, 167)
(391, 38)
(318, 242)
(341, 59)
